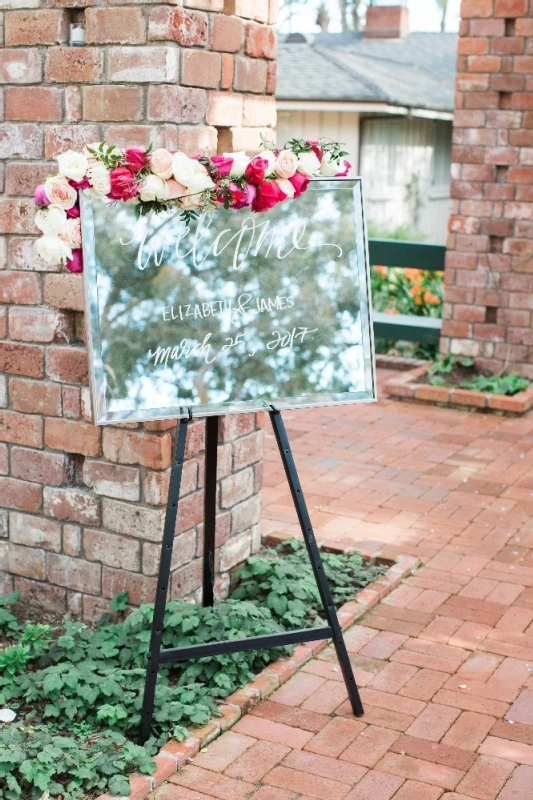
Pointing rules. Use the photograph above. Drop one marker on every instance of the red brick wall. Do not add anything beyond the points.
(489, 268)
(81, 507)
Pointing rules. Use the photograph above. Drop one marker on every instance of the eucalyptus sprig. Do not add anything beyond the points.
(267, 144)
(333, 148)
(109, 155)
(298, 146)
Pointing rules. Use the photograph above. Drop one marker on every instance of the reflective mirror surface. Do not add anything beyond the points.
(236, 312)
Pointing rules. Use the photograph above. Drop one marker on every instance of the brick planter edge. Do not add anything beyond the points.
(174, 755)
(405, 387)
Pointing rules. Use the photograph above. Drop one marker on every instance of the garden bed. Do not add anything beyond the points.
(208, 682)
(414, 385)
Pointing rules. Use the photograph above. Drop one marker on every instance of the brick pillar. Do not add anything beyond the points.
(81, 507)
(489, 267)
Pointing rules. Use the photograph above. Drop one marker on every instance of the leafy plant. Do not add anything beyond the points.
(497, 384)
(445, 365)
(80, 696)
(287, 585)
(33, 640)
(8, 621)
(34, 760)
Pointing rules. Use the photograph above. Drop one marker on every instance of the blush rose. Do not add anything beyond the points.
(161, 163)
(60, 192)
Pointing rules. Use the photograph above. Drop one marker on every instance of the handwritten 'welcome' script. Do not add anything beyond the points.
(253, 238)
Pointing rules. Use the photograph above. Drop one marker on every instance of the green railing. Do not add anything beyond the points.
(396, 253)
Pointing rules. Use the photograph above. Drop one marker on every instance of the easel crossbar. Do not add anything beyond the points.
(240, 645)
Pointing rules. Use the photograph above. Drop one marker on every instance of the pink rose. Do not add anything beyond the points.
(314, 145)
(256, 170)
(240, 198)
(300, 183)
(223, 165)
(347, 168)
(40, 198)
(83, 184)
(175, 189)
(268, 195)
(60, 192)
(286, 164)
(123, 184)
(73, 212)
(136, 158)
(75, 264)
(161, 163)
(72, 234)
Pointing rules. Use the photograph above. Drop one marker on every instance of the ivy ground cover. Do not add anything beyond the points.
(72, 697)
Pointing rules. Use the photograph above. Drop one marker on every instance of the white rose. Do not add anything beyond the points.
(51, 220)
(286, 187)
(53, 250)
(198, 168)
(73, 165)
(286, 164)
(240, 162)
(269, 156)
(199, 183)
(329, 167)
(7, 715)
(154, 188)
(72, 234)
(308, 164)
(100, 179)
(183, 168)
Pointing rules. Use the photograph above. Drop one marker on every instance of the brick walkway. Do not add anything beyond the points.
(445, 661)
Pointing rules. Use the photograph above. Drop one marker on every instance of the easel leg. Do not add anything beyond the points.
(316, 561)
(210, 509)
(162, 583)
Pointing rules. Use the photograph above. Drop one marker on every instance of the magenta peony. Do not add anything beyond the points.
(240, 198)
(123, 184)
(40, 198)
(345, 171)
(268, 195)
(136, 158)
(300, 183)
(75, 264)
(256, 170)
(223, 165)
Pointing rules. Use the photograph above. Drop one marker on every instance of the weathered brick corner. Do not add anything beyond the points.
(81, 508)
(489, 268)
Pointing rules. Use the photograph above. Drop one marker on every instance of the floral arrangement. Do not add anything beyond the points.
(159, 180)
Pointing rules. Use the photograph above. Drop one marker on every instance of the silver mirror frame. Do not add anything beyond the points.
(102, 414)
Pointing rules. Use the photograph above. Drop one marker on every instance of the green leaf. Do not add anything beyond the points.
(9, 599)
(119, 602)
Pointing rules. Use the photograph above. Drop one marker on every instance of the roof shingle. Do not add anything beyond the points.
(417, 71)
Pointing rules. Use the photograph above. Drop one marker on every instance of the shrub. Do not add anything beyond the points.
(80, 696)
(287, 585)
(34, 760)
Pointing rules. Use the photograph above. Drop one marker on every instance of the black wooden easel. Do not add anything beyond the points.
(158, 656)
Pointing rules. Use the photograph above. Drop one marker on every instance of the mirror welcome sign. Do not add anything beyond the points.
(233, 312)
(236, 312)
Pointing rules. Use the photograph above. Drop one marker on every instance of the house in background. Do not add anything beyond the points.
(389, 95)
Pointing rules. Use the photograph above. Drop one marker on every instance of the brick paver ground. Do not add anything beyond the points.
(445, 662)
